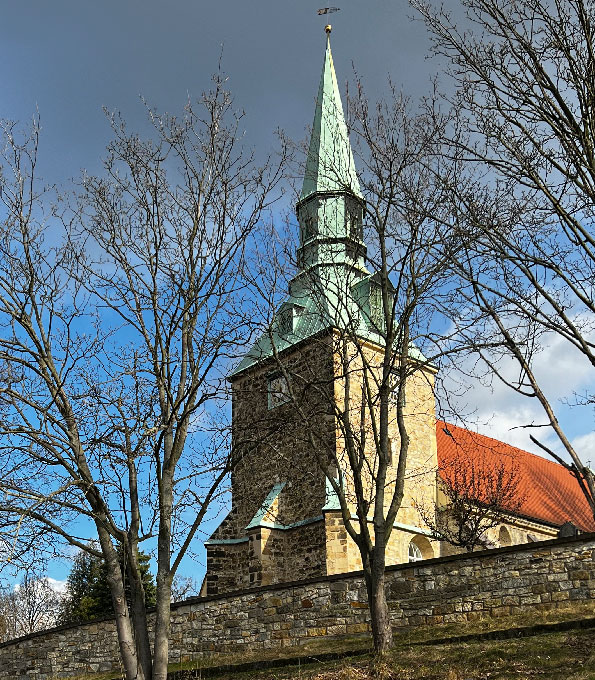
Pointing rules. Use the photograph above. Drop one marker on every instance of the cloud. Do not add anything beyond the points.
(584, 445)
(57, 585)
(489, 406)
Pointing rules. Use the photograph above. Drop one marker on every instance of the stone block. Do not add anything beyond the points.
(560, 596)
(397, 588)
(455, 618)
(579, 575)
(353, 628)
(499, 612)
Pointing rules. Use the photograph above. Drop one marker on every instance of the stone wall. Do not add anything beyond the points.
(458, 588)
(419, 414)
(272, 445)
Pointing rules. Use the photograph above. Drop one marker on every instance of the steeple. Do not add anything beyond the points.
(330, 166)
(330, 209)
(332, 285)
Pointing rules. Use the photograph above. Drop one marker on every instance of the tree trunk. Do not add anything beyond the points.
(379, 615)
(132, 669)
(162, 609)
(162, 628)
(138, 612)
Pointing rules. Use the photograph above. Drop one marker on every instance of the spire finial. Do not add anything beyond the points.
(327, 29)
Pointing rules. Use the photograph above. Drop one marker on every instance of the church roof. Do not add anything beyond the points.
(329, 165)
(550, 492)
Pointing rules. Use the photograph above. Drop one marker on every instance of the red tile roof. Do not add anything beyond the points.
(551, 493)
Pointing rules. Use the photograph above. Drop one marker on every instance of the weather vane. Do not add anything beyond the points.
(328, 10)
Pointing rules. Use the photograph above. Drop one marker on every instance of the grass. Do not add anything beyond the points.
(551, 656)
(425, 653)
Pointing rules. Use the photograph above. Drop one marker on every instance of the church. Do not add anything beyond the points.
(286, 521)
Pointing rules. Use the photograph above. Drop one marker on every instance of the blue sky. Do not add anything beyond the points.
(69, 59)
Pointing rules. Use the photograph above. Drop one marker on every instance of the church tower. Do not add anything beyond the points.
(285, 523)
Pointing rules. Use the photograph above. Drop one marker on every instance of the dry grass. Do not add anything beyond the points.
(553, 656)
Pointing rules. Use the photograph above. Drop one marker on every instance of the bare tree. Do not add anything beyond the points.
(32, 605)
(476, 492)
(183, 587)
(523, 72)
(114, 341)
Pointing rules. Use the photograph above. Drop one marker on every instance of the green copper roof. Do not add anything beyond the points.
(332, 286)
(312, 309)
(329, 166)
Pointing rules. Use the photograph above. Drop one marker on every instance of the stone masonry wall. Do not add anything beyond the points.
(420, 420)
(457, 588)
(272, 445)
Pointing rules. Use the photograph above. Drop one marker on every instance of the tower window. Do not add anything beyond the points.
(278, 392)
(415, 554)
(353, 221)
(420, 548)
(310, 229)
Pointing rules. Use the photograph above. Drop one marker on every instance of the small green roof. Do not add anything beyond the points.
(329, 166)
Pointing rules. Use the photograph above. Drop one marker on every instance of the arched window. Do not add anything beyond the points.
(415, 554)
(504, 537)
(420, 548)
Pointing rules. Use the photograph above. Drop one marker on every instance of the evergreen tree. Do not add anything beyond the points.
(88, 595)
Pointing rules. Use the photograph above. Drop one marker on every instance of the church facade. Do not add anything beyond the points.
(286, 523)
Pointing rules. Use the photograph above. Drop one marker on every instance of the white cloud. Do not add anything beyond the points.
(584, 445)
(57, 585)
(498, 411)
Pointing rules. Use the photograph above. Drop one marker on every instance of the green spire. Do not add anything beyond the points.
(330, 209)
(329, 166)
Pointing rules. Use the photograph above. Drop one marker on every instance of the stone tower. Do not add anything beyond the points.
(285, 522)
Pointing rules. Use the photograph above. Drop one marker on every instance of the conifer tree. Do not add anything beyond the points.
(88, 594)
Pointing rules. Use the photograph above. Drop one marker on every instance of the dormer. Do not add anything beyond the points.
(368, 295)
(286, 319)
